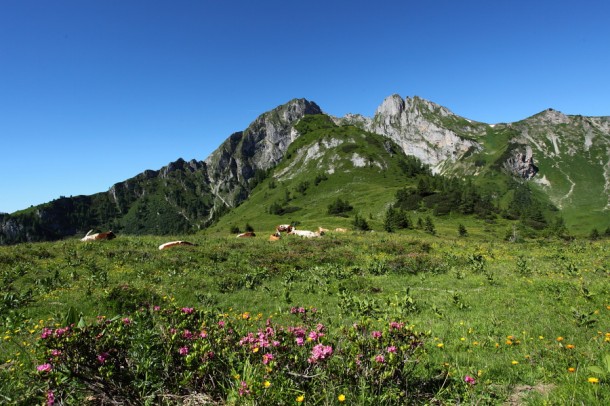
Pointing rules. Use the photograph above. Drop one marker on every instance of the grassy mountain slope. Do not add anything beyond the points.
(325, 163)
(329, 162)
(174, 199)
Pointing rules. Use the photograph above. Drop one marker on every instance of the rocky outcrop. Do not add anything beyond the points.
(521, 163)
(421, 128)
(260, 147)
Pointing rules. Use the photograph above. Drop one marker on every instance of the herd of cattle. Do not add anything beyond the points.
(282, 228)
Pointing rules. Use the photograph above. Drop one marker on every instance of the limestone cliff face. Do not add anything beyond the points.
(422, 129)
(521, 163)
(260, 147)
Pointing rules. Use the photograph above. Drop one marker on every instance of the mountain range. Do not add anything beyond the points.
(292, 162)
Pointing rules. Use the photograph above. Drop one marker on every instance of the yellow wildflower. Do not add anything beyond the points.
(571, 370)
(593, 380)
(301, 398)
(440, 345)
(515, 362)
(266, 384)
(341, 398)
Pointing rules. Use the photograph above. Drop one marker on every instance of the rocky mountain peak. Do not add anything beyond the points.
(393, 105)
(551, 116)
(259, 147)
(416, 125)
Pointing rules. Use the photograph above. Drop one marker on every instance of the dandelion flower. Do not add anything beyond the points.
(301, 398)
(515, 362)
(341, 398)
(570, 346)
(440, 345)
(266, 384)
(593, 380)
(571, 370)
(559, 339)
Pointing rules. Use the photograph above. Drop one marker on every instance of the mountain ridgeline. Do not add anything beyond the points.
(293, 162)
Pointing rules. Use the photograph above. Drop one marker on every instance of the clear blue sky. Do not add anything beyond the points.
(94, 92)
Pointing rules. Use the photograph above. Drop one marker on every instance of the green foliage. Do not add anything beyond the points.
(429, 225)
(445, 196)
(128, 298)
(594, 235)
(319, 178)
(302, 187)
(360, 223)
(339, 207)
(462, 232)
(396, 219)
(161, 351)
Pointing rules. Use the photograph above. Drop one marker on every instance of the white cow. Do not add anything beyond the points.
(170, 244)
(305, 233)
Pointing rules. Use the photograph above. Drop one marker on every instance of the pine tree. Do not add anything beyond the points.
(360, 223)
(429, 226)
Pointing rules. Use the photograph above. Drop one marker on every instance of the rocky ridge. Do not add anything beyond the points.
(568, 157)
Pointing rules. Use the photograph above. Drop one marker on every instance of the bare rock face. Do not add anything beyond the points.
(260, 147)
(415, 125)
(521, 164)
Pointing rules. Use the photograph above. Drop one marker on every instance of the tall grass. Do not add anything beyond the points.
(527, 322)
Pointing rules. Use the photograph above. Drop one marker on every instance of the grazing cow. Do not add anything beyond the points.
(275, 236)
(284, 228)
(174, 244)
(305, 233)
(341, 230)
(98, 236)
(247, 234)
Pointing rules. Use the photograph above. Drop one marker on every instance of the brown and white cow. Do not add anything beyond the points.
(284, 228)
(170, 244)
(98, 236)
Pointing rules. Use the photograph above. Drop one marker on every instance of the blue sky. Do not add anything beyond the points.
(95, 92)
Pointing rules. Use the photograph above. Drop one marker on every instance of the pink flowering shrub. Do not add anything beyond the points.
(155, 352)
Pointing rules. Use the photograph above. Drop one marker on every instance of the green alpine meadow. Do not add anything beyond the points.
(415, 257)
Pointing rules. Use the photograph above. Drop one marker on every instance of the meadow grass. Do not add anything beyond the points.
(527, 323)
